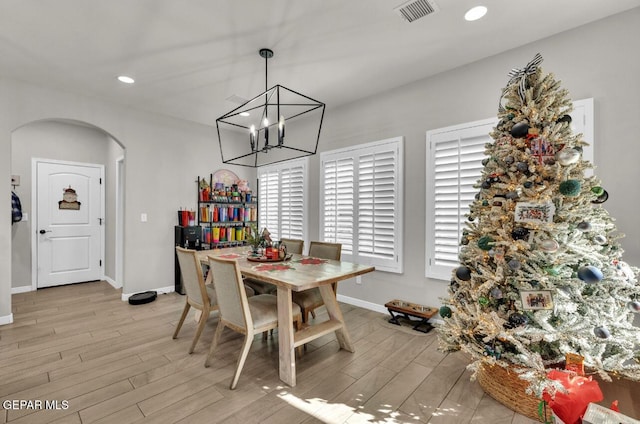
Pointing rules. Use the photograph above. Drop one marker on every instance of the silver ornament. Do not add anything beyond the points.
(584, 226)
(602, 332)
(634, 306)
(496, 293)
(600, 239)
(549, 246)
(568, 156)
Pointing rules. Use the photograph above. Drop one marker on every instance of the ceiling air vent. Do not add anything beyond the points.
(236, 99)
(416, 9)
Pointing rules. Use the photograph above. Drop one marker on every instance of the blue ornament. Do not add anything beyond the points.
(463, 273)
(520, 130)
(590, 274)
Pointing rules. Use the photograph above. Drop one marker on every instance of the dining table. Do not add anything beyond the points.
(296, 273)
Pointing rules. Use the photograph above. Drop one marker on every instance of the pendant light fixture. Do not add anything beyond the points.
(277, 125)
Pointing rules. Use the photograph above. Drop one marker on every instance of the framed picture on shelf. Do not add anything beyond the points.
(533, 300)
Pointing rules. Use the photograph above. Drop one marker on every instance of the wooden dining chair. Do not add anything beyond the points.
(245, 315)
(262, 287)
(310, 300)
(198, 295)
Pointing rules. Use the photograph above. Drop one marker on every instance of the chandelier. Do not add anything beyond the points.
(277, 125)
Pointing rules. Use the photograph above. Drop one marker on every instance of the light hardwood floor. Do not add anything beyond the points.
(117, 363)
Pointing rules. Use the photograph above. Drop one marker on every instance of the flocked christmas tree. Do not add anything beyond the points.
(541, 272)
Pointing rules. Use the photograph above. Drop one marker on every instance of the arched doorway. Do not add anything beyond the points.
(66, 140)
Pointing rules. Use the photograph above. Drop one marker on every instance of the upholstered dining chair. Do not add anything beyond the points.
(245, 315)
(310, 300)
(198, 295)
(262, 287)
(293, 245)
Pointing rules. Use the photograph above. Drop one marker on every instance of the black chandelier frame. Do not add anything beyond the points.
(272, 101)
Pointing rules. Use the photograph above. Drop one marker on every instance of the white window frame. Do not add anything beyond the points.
(582, 123)
(393, 262)
(278, 168)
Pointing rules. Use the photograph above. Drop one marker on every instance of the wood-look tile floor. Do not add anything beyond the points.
(116, 363)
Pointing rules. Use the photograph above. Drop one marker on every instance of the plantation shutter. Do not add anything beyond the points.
(282, 202)
(361, 190)
(268, 201)
(455, 157)
(338, 198)
(377, 180)
(292, 203)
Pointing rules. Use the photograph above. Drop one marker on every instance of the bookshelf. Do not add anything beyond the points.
(225, 213)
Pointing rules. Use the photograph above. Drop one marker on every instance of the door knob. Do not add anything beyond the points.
(44, 231)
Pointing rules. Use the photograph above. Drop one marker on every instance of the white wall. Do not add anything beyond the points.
(165, 155)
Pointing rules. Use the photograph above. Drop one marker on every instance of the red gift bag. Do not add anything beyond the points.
(571, 406)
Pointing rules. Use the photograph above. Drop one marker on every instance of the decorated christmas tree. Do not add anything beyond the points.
(541, 275)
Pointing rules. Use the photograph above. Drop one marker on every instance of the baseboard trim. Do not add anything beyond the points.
(22, 289)
(112, 282)
(160, 290)
(361, 303)
(7, 319)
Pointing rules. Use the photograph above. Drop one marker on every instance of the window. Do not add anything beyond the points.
(454, 158)
(454, 165)
(361, 192)
(282, 204)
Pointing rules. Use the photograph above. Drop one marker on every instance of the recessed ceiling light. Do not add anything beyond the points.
(245, 114)
(475, 13)
(125, 79)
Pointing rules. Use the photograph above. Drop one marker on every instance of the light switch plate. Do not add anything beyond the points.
(143, 217)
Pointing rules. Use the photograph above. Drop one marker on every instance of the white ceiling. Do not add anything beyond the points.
(189, 56)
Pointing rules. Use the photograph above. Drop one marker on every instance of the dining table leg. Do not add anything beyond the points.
(285, 337)
(333, 309)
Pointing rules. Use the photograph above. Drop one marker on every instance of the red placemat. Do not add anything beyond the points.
(312, 261)
(273, 267)
(230, 256)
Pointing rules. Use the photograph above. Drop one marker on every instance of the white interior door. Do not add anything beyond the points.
(70, 201)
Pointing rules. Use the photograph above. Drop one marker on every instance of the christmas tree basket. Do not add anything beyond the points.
(505, 386)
